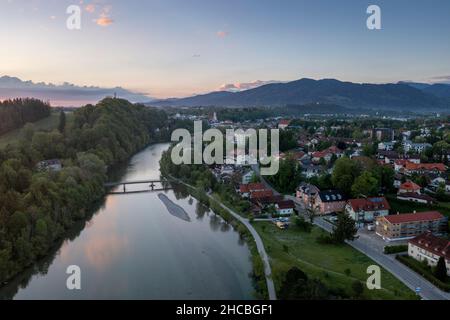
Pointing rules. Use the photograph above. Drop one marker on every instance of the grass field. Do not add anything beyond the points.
(46, 124)
(336, 266)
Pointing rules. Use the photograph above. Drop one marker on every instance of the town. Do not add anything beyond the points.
(388, 175)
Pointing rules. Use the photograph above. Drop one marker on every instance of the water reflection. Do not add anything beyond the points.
(133, 249)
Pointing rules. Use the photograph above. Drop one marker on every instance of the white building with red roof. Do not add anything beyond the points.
(367, 210)
(429, 248)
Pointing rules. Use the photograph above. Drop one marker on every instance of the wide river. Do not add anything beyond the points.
(134, 248)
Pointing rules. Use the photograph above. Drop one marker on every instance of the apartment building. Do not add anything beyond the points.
(410, 225)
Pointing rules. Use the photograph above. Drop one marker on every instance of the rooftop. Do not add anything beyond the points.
(415, 217)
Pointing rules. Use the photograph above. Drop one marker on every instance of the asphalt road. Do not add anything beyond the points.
(370, 248)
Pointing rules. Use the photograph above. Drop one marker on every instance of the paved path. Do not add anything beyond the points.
(373, 250)
(259, 244)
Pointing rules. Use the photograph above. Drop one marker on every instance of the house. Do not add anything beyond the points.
(408, 146)
(312, 170)
(386, 146)
(256, 195)
(382, 134)
(248, 177)
(409, 187)
(327, 154)
(416, 197)
(268, 201)
(307, 193)
(423, 168)
(285, 208)
(438, 181)
(367, 210)
(410, 225)
(246, 189)
(53, 165)
(330, 201)
(429, 248)
(284, 124)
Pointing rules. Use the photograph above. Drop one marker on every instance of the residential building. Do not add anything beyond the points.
(416, 197)
(246, 189)
(307, 193)
(54, 165)
(367, 210)
(255, 195)
(330, 201)
(408, 226)
(429, 248)
(284, 124)
(423, 168)
(248, 177)
(387, 146)
(408, 146)
(382, 134)
(409, 187)
(285, 208)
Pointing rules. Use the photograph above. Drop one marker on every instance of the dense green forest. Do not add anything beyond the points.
(16, 113)
(38, 207)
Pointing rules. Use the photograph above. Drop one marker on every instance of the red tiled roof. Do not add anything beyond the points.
(425, 166)
(287, 204)
(370, 204)
(245, 188)
(409, 185)
(261, 194)
(416, 196)
(431, 243)
(285, 122)
(413, 217)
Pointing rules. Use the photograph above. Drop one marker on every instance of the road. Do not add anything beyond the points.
(259, 244)
(372, 248)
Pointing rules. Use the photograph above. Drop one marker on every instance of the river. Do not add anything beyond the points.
(134, 248)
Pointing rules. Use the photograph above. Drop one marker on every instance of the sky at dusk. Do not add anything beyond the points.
(173, 48)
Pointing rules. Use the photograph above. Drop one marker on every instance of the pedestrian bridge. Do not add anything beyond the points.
(151, 185)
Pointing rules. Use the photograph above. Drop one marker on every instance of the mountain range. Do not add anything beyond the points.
(391, 96)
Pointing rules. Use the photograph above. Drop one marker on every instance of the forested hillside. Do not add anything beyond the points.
(36, 208)
(15, 113)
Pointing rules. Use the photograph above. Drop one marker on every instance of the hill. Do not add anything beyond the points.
(399, 96)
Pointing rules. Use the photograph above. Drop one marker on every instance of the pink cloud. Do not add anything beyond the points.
(90, 8)
(222, 34)
(241, 86)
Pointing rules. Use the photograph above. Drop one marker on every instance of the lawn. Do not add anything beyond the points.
(329, 263)
(46, 124)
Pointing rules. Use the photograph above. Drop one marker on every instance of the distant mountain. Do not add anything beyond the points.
(66, 94)
(398, 96)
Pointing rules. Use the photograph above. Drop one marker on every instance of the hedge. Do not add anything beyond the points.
(420, 269)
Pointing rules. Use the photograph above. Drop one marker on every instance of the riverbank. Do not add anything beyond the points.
(261, 265)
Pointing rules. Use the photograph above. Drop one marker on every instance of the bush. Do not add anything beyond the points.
(395, 249)
(424, 271)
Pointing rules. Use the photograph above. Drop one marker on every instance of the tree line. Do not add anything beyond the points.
(16, 113)
(38, 207)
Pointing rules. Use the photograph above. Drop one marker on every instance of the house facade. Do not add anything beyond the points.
(285, 208)
(429, 248)
(367, 210)
(330, 201)
(408, 226)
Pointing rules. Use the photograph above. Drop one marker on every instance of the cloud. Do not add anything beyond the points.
(90, 8)
(245, 85)
(222, 34)
(442, 78)
(104, 18)
(66, 94)
(196, 55)
(104, 21)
